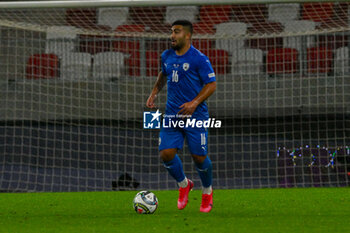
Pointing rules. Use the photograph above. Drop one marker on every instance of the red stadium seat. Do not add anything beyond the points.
(282, 61)
(203, 28)
(151, 17)
(133, 49)
(215, 14)
(81, 17)
(152, 63)
(265, 43)
(202, 44)
(218, 59)
(131, 28)
(317, 12)
(94, 44)
(250, 13)
(341, 11)
(43, 66)
(319, 60)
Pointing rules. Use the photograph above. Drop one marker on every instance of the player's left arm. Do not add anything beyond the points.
(189, 107)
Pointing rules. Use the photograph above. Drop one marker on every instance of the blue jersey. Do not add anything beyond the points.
(186, 76)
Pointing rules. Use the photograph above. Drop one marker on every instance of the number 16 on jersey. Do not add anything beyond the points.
(175, 76)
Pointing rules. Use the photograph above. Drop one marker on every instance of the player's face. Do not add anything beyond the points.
(178, 37)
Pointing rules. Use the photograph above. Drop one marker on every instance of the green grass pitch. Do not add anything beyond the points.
(254, 210)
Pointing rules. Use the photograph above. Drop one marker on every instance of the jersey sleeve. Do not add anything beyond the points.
(205, 70)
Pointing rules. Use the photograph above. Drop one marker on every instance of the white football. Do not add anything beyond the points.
(145, 202)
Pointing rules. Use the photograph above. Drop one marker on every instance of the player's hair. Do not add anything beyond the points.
(185, 23)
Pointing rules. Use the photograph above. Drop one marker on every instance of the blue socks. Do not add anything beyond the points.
(205, 172)
(204, 169)
(175, 169)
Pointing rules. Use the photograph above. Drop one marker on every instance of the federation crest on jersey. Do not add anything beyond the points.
(186, 66)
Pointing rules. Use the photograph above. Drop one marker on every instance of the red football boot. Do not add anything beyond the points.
(183, 195)
(207, 202)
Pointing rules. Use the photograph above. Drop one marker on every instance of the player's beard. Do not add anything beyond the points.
(179, 45)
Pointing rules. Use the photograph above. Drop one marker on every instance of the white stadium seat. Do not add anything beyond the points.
(174, 13)
(247, 62)
(341, 61)
(113, 17)
(108, 65)
(230, 29)
(295, 26)
(284, 12)
(75, 66)
(60, 39)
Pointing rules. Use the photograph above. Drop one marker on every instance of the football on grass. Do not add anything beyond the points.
(145, 202)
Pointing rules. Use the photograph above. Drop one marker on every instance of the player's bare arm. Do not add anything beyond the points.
(189, 107)
(158, 86)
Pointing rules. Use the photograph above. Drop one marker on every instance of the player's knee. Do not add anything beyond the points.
(168, 154)
(198, 158)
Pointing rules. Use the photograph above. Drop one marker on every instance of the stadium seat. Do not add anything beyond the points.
(215, 14)
(174, 13)
(60, 39)
(94, 44)
(75, 66)
(81, 17)
(283, 12)
(247, 62)
(249, 13)
(152, 63)
(230, 29)
(219, 60)
(108, 65)
(319, 60)
(341, 61)
(297, 26)
(131, 28)
(44, 66)
(131, 47)
(340, 11)
(202, 45)
(203, 28)
(268, 28)
(151, 17)
(333, 40)
(112, 17)
(282, 61)
(317, 12)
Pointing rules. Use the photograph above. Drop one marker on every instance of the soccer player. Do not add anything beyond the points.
(190, 80)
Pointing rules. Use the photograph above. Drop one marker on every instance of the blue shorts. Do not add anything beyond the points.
(197, 139)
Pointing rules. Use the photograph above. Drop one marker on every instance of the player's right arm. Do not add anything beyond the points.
(158, 86)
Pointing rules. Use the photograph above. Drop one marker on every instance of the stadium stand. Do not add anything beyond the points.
(247, 62)
(75, 66)
(230, 29)
(42, 66)
(341, 61)
(108, 65)
(317, 12)
(283, 12)
(113, 17)
(282, 61)
(60, 40)
(319, 60)
(174, 13)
